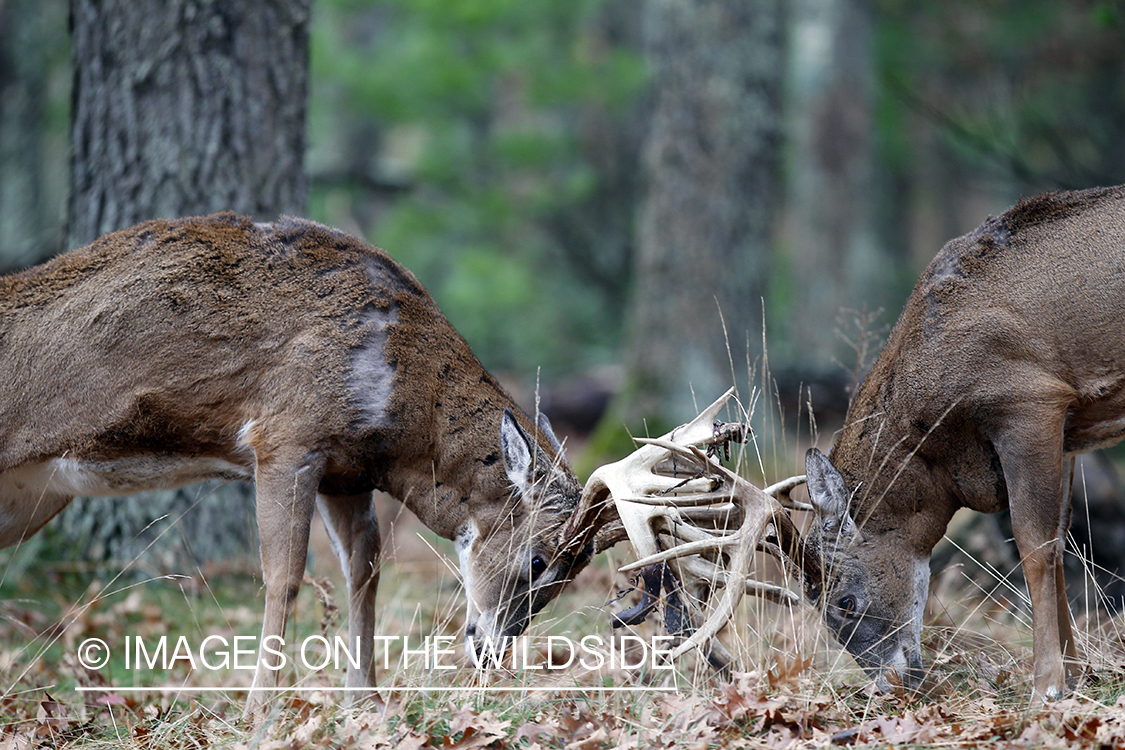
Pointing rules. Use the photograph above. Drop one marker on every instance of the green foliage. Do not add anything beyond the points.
(1030, 91)
(477, 114)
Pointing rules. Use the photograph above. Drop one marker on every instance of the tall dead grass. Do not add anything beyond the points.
(790, 685)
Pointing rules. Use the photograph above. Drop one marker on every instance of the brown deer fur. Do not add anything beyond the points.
(1007, 360)
(297, 356)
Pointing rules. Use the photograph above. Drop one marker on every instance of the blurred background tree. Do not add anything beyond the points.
(185, 107)
(705, 221)
(509, 153)
(496, 149)
(830, 192)
(492, 147)
(33, 131)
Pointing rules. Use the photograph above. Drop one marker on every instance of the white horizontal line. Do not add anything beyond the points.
(396, 688)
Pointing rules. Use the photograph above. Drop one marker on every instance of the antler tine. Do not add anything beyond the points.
(700, 430)
(713, 518)
(690, 451)
(781, 491)
(697, 499)
(771, 592)
(684, 550)
(701, 569)
(633, 476)
(689, 532)
(759, 517)
(738, 570)
(777, 594)
(684, 523)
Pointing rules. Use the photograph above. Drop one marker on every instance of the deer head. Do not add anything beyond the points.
(515, 561)
(1004, 364)
(875, 588)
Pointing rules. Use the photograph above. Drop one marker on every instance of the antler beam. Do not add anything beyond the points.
(668, 490)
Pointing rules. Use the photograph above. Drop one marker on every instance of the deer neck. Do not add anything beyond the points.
(891, 462)
(438, 484)
(447, 411)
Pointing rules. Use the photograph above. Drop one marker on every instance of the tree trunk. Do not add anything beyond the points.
(182, 107)
(705, 224)
(186, 107)
(834, 253)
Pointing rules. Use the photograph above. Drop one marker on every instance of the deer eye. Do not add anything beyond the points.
(846, 605)
(538, 565)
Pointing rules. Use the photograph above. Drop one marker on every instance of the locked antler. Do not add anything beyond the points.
(683, 510)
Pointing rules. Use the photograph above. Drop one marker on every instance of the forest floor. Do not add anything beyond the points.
(791, 687)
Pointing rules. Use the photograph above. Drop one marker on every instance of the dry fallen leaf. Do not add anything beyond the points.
(476, 729)
(532, 731)
(303, 735)
(593, 741)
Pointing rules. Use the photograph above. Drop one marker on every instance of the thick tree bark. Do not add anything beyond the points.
(186, 107)
(705, 225)
(182, 107)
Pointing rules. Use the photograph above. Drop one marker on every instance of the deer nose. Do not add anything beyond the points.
(906, 668)
(471, 638)
(914, 672)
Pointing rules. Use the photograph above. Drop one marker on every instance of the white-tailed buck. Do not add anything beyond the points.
(296, 356)
(1008, 359)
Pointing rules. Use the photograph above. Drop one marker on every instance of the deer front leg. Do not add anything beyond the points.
(354, 531)
(1066, 633)
(1033, 472)
(285, 497)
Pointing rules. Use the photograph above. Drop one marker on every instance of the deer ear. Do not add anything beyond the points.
(544, 426)
(516, 448)
(827, 491)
